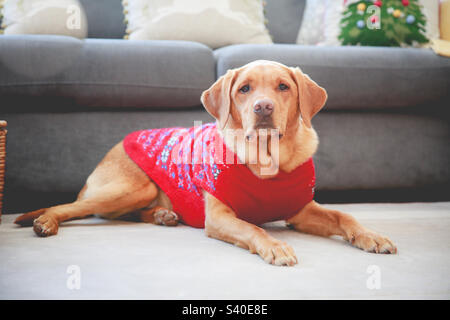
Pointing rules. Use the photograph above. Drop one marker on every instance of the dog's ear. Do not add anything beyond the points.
(217, 99)
(311, 97)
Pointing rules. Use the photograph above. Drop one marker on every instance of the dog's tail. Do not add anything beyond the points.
(26, 220)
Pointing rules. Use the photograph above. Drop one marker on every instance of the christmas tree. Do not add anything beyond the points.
(391, 23)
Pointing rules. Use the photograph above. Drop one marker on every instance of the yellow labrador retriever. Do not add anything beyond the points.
(259, 95)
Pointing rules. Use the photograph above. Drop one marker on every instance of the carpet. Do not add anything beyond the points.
(102, 259)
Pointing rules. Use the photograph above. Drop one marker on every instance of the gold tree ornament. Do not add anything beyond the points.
(361, 7)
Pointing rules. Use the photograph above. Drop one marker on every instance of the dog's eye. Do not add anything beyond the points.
(245, 88)
(283, 87)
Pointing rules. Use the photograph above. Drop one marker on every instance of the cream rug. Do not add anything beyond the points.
(99, 259)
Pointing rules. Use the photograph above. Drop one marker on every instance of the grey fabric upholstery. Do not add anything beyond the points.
(107, 73)
(284, 19)
(55, 152)
(384, 126)
(357, 77)
(105, 18)
(374, 150)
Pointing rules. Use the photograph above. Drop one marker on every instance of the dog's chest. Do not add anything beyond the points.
(263, 200)
(185, 161)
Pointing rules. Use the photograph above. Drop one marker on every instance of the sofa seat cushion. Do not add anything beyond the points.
(357, 77)
(106, 72)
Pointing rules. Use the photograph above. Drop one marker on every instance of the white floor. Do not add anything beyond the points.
(124, 260)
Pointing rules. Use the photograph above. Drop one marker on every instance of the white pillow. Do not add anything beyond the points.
(312, 30)
(58, 17)
(216, 23)
(431, 12)
(325, 16)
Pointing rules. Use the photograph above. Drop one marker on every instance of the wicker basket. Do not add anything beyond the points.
(2, 161)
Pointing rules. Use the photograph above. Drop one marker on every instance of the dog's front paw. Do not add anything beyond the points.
(45, 226)
(277, 252)
(373, 242)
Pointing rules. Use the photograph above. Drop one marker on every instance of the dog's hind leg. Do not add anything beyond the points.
(111, 199)
(117, 186)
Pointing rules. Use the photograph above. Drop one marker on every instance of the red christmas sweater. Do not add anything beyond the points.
(183, 161)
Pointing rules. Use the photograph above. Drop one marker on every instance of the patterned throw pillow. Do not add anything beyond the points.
(216, 23)
(57, 17)
(377, 22)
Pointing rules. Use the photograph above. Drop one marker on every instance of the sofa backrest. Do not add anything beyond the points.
(285, 18)
(105, 18)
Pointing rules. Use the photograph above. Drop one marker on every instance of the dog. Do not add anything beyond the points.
(138, 177)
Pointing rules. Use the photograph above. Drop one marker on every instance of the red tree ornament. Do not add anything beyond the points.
(405, 3)
(378, 3)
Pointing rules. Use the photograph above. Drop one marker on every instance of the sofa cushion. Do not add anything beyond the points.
(357, 77)
(105, 18)
(106, 72)
(213, 23)
(65, 17)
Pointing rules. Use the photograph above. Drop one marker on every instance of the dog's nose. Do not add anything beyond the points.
(263, 107)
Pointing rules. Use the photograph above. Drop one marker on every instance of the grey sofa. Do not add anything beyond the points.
(384, 132)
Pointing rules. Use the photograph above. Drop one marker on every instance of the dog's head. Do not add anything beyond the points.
(264, 95)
